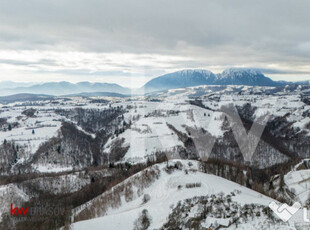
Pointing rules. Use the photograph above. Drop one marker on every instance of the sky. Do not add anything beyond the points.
(132, 41)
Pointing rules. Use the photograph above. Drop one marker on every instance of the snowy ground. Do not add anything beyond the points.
(165, 194)
(298, 181)
(149, 133)
(45, 125)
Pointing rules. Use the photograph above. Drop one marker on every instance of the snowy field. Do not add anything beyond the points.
(165, 193)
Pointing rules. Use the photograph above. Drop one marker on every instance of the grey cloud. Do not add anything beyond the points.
(278, 71)
(145, 26)
(224, 33)
(87, 72)
(28, 63)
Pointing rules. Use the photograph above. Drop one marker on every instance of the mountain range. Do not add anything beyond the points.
(66, 88)
(188, 78)
(179, 79)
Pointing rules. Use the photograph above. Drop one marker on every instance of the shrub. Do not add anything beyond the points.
(146, 198)
(143, 222)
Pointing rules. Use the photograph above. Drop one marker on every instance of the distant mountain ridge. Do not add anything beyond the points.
(64, 88)
(179, 79)
(96, 94)
(25, 97)
(12, 84)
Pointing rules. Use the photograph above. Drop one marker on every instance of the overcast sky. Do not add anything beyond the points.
(131, 41)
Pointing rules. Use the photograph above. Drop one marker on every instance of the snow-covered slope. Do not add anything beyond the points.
(32, 131)
(151, 123)
(298, 181)
(172, 185)
(165, 125)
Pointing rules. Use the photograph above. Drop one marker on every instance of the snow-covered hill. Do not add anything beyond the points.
(175, 185)
(297, 181)
(168, 124)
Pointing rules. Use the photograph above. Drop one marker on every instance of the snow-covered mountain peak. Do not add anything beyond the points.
(189, 72)
(240, 72)
(244, 76)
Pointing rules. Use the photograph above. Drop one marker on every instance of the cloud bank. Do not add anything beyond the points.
(129, 42)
